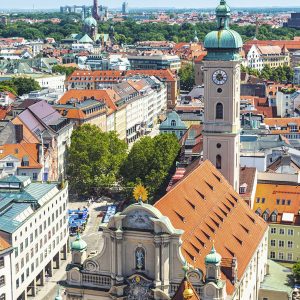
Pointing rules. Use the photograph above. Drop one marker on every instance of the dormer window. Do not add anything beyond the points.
(243, 188)
(274, 217)
(173, 123)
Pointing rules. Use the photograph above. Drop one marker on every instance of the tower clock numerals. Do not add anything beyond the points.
(219, 77)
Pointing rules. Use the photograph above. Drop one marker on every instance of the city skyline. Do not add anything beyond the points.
(17, 4)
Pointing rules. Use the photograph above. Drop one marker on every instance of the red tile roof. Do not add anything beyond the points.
(30, 151)
(4, 244)
(208, 209)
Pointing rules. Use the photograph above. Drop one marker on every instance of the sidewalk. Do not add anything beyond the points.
(49, 290)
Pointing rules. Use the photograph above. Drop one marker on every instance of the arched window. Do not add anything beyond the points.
(140, 258)
(218, 162)
(219, 111)
(173, 123)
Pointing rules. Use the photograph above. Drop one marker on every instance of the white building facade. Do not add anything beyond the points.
(37, 229)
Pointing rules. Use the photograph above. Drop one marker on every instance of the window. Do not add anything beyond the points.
(219, 111)
(2, 280)
(257, 200)
(283, 201)
(26, 242)
(273, 243)
(173, 123)
(290, 256)
(21, 247)
(290, 232)
(274, 217)
(263, 200)
(2, 297)
(281, 231)
(10, 164)
(34, 176)
(219, 162)
(17, 283)
(1, 262)
(288, 202)
(277, 201)
(290, 244)
(17, 268)
(280, 244)
(280, 256)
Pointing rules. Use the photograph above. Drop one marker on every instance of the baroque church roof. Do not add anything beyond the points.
(207, 208)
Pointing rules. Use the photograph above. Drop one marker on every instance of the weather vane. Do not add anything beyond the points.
(140, 193)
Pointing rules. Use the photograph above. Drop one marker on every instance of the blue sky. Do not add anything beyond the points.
(139, 3)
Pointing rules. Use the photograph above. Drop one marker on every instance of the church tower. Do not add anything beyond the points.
(221, 128)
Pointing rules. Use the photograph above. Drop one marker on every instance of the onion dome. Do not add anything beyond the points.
(79, 244)
(213, 257)
(223, 43)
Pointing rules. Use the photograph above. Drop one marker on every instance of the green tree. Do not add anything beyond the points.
(94, 159)
(22, 85)
(187, 77)
(266, 72)
(63, 70)
(296, 271)
(150, 162)
(5, 88)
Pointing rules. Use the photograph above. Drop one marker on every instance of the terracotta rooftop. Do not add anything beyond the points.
(26, 151)
(248, 177)
(207, 208)
(284, 199)
(283, 122)
(163, 74)
(289, 44)
(4, 244)
(108, 96)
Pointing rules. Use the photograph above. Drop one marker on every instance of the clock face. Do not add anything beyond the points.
(219, 77)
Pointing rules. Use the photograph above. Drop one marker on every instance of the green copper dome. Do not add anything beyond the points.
(213, 257)
(90, 21)
(223, 43)
(224, 39)
(79, 244)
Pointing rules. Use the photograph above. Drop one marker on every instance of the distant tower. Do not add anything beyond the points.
(125, 8)
(96, 10)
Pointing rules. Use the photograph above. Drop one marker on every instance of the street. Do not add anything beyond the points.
(92, 237)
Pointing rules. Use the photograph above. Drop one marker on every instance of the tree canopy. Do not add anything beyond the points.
(63, 70)
(94, 159)
(187, 77)
(150, 162)
(296, 271)
(130, 31)
(21, 85)
(284, 74)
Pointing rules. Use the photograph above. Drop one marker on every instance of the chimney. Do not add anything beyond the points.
(19, 133)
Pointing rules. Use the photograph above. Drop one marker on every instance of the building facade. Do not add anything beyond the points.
(6, 252)
(155, 62)
(260, 56)
(33, 220)
(278, 204)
